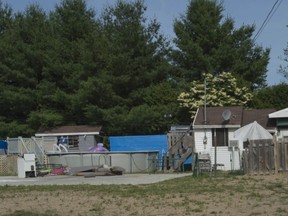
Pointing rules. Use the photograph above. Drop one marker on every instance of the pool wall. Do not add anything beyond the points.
(132, 162)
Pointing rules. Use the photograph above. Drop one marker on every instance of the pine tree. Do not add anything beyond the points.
(207, 43)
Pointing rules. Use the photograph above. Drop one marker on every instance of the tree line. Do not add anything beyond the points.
(71, 66)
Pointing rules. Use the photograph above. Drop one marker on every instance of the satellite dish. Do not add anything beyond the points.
(226, 115)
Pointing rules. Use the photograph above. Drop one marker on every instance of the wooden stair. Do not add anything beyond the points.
(183, 158)
(181, 147)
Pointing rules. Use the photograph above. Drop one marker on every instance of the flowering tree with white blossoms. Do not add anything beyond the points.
(220, 91)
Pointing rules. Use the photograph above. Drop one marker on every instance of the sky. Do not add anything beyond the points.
(243, 12)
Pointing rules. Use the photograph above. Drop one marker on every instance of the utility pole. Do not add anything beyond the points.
(215, 153)
(205, 112)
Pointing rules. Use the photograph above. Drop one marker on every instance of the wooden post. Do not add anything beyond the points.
(245, 161)
(164, 159)
(271, 156)
(284, 156)
(275, 154)
(283, 165)
(195, 165)
(215, 148)
(264, 167)
(171, 162)
(258, 157)
(250, 160)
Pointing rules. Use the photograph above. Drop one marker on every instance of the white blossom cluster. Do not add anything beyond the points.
(220, 91)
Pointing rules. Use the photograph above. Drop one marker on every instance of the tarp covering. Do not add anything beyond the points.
(3, 144)
(138, 143)
(252, 131)
(141, 143)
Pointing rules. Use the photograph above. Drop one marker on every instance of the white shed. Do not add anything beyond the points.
(216, 132)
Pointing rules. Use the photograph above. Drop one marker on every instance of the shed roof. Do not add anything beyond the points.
(279, 114)
(69, 130)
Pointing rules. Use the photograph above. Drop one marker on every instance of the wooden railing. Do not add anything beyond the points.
(181, 147)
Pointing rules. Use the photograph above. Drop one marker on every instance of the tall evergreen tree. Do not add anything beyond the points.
(67, 67)
(136, 49)
(135, 64)
(206, 42)
(22, 48)
(73, 58)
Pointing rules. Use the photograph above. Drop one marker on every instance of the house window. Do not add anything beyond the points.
(221, 136)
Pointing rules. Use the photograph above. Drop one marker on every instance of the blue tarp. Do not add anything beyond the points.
(3, 144)
(139, 143)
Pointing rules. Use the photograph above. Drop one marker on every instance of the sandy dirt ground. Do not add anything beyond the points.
(240, 195)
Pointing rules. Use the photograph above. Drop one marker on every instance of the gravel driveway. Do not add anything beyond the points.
(133, 179)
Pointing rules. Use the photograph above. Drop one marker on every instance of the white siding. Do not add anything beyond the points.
(86, 141)
(230, 159)
(231, 133)
(199, 137)
(283, 133)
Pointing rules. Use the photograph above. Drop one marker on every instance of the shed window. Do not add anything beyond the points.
(221, 136)
(73, 141)
(69, 141)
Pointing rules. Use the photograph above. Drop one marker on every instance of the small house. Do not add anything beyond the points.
(214, 129)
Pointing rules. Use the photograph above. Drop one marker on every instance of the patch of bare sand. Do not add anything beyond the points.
(259, 195)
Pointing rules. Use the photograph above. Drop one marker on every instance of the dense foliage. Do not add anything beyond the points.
(272, 97)
(73, 66)
(219, 90)
(208, 43)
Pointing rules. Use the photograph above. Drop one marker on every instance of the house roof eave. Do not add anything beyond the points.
(66, 134)
(215, 126)
(196, 114)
